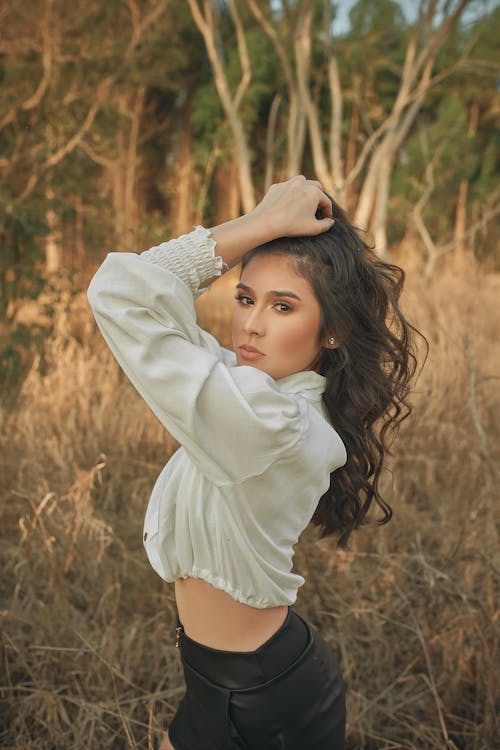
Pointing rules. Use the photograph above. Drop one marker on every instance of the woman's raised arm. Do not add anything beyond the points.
(233, 421)
(288, 209)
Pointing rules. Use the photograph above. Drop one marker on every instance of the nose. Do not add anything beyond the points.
(254, 322)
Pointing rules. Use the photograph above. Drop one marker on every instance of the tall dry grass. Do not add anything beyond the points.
(88, 628)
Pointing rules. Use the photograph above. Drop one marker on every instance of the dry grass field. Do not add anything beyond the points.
(88, 635)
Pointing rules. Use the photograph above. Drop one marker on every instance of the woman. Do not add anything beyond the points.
(290, 427)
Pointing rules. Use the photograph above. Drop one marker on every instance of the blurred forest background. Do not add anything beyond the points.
(127, 121)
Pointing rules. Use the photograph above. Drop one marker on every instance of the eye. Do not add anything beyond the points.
(283, 307)
(243, 299)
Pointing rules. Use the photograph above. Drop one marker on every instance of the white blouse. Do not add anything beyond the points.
(256, 453)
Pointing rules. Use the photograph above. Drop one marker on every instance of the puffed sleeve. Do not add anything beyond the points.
(234, 422)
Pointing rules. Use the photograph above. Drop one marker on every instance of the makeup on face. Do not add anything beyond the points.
(276, 318)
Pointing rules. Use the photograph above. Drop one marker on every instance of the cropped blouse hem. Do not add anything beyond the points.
(250, 599)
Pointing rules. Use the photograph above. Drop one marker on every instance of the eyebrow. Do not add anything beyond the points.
(271, 292)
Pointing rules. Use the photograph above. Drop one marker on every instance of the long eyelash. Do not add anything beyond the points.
(240, 297)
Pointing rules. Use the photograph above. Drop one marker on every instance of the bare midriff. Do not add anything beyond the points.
(212, 617)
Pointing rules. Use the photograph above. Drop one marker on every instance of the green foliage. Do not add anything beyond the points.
(71, 79)
(21, 255)
(457, 136)
(383, 18)
(207, 113)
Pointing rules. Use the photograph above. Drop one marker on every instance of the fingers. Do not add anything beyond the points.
(325, 205)
(299, 205)
(315, 182)
(323, 219)
(321, 225)
(324, 201)
(302, 178)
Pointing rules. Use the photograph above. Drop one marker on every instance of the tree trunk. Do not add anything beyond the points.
(230, 103)
(296, 119)
(296, 136)
(460, 249)
(123, 170)
(380, 223)
(461, 218)
(366, 200)
(336, 161)
(79, 237)
(53, 237)
(182, 204)
(131, 164)
(302, 48)
(243, 163)
(227, 196)
(117, 182)
(205, 184)
(270, 139)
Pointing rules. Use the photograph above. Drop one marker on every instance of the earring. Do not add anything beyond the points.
(331, 340)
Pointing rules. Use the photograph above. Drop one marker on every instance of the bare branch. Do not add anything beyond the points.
(409, 72)
(140, 27)
(59, 155)
(361, 105)
(416, 81)
(74, 141)
(132, 150)
(419, 221)
(203, 191)
(243, 54)
(273, 36)
(98, 98)
(29, 187)
(296, 116)
(366, 150)
(9, 117)
(418, 209)
(47, 55)
(134, 12)
(198, 17)
(302, 45)
(436, 251)
(445, 28)
(230, 105)
(103, 161)
(437, 38)
(481, 223)
(37, 96)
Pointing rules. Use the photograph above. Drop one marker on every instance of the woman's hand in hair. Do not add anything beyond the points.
(292, 208)
(288, 209)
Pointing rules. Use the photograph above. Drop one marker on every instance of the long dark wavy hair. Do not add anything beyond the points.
(368, 375)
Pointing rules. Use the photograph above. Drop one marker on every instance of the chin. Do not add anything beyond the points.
(256, 365)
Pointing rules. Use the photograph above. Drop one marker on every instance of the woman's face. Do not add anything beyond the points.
(276, 318)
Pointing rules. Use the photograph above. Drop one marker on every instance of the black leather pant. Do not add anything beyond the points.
(286, 695)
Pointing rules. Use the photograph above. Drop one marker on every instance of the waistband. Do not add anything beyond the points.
(245, 669)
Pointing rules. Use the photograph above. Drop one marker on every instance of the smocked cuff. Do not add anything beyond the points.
(190, 257)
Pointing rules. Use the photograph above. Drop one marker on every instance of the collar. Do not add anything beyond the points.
(308, 382)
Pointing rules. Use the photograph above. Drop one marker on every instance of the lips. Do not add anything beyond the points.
(250, 352)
